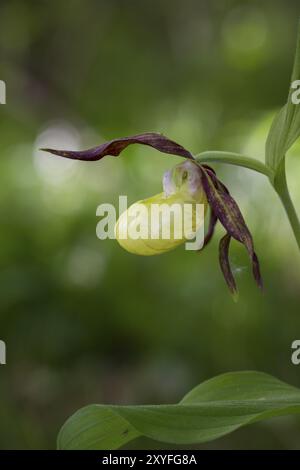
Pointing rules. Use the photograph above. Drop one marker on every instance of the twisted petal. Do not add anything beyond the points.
(225, 265)
(116, 146)
(213, 219)
(229, 214)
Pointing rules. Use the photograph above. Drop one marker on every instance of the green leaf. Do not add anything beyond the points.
(211, 410)
(285, 128)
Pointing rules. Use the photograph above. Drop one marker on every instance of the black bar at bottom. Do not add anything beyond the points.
(134, 459)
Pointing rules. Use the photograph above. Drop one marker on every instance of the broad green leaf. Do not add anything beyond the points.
(285, 128)
(211, 410)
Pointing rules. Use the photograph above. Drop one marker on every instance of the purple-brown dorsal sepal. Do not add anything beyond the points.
(230, 216)
(116, 146)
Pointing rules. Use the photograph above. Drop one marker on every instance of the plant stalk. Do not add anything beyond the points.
(234, 159)
(278, 180)
(281, 187)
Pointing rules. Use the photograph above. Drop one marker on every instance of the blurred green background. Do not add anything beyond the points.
(83, 320)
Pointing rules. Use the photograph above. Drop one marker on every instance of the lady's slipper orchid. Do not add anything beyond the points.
(190, 182)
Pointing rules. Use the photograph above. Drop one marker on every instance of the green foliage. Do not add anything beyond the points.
(211, 410)
(285, 128)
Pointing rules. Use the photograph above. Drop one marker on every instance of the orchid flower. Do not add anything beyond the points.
(188, 182)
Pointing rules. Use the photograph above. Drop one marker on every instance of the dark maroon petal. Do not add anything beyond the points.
(115, 147)
(225, 265)
(208, 168)
(256, 269)
(213, 219)
(217, 183)
(229, 214)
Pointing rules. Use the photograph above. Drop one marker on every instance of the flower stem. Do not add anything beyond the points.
(234, 159)
(281, 187)
(277, 179)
